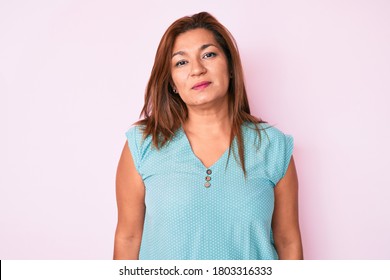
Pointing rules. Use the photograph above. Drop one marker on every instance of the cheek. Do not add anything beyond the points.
(178, 78)
(224, 79)
(223, 72)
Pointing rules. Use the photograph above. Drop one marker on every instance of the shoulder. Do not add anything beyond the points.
(269, 148)
(268, 140)
(264, 132)
(138, 142)
(136, 133)
(273, 133)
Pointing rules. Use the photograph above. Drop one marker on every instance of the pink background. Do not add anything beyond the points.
(72, 79)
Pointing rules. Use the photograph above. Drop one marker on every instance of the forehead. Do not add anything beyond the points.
(193, 39)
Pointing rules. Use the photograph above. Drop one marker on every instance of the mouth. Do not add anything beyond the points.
(201, 85)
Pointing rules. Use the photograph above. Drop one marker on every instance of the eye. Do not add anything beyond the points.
(181, 63)
(209, 55)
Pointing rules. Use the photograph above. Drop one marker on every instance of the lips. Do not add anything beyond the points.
(201, 85)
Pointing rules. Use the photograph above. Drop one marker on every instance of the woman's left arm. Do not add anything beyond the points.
(285, 222)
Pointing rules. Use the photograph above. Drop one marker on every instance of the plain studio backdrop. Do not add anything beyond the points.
(72, 81)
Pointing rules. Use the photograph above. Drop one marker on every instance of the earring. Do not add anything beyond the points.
(174, 90)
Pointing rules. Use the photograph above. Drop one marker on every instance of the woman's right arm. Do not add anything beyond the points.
(130, 196)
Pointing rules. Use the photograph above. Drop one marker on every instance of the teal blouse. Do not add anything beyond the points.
(194, 212)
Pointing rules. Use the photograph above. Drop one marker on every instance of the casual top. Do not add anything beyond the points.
(194, 212)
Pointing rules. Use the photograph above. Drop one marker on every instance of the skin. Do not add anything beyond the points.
(197, 57)
(130, 195)
(285, 223)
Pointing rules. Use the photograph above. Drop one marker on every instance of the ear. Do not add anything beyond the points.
(173, 88)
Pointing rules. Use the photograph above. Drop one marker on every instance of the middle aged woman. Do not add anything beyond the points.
(199, 176)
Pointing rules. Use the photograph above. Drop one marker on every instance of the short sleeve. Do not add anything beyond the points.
(134, 139)
(287, 149)
(278, 153)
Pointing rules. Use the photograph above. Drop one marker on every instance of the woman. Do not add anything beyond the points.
(199, 177)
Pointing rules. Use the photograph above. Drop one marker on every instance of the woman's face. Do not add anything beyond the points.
(199, 69)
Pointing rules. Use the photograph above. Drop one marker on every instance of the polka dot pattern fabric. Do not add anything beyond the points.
(227, 219)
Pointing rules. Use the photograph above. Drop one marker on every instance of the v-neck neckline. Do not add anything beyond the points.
(212, 166)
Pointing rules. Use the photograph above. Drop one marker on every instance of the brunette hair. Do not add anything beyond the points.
(164, 111)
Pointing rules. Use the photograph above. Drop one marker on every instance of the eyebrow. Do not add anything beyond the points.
(203, 47)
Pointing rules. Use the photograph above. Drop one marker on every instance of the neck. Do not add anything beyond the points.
(212, 121)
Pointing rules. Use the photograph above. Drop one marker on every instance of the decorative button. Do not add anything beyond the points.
(208, 178)
(207, 184)
(208, 171)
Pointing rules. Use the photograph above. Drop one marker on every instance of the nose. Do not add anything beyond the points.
(197, 68)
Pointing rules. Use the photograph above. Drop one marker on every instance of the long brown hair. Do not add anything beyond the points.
(164, 112)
